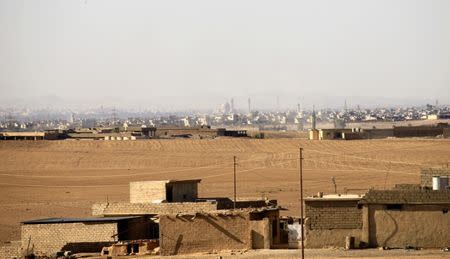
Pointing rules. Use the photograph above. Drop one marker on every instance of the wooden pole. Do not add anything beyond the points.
(234, 173)
(301, 203)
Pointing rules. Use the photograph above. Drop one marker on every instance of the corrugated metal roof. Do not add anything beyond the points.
(76, 220)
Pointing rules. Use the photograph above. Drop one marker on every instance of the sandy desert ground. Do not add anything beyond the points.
(63, 178)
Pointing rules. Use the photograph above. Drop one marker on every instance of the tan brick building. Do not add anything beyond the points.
(48, 236)
(219, 230)
(168, 213)
(329, 219)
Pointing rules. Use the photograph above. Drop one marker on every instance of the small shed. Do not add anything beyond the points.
(78, 235)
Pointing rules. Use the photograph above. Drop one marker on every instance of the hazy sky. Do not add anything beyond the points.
(201, 53)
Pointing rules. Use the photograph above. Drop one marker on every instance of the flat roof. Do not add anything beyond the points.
(336, 197)
(77, 220)
(171, 181)
(185, 181)
(422, 196)
(22, 133)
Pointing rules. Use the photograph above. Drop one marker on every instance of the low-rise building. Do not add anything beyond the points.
(220, 230)
(166, 213)
(406, 216)
(82, 235)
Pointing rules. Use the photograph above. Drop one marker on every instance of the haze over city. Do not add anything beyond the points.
(179, 55)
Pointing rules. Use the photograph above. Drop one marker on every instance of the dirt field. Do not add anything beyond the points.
(63, 178)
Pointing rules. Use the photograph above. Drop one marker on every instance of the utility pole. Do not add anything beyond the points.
(234, 170)
(333, 180)
(301, 203)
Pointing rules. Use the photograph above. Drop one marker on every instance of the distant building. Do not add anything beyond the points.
(420, 131)
(314, 134)
(88, 123)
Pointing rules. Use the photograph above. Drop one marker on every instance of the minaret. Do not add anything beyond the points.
(249, 106)
(313, 119)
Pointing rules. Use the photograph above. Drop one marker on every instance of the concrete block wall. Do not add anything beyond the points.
(333, 215)
(204, 233)
(123, 208)
(147, 191)
(427, 174)
(10, 250)
(50, 238)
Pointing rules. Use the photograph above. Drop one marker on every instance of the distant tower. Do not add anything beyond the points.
(72, 118)
(313, 119)
(278, 103)
(298, 107)
(345, 105)
(114, 116)
(437, 103)
(232, 104)
(249, 106)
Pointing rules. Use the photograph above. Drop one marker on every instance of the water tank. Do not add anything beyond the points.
(436, 183)
(444, 182)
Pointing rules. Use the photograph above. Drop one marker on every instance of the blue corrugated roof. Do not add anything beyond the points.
(75, 220)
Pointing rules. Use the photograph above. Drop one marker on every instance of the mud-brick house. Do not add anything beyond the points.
(170, 197)
(220, 230)
(404, 216)
(400, 218)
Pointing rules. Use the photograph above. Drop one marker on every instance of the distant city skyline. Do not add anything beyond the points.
(181, 103)
(176, 55)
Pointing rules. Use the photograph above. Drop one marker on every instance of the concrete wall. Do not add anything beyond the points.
(168, 132)
(417, 131)
(354, 135)
(204, 233)
(378, 133)
(147, 191)
(184, 191)
(426, 226)
(325, 238)
(325, 134)
(313, 134)
(75, 237)
(124, 209)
